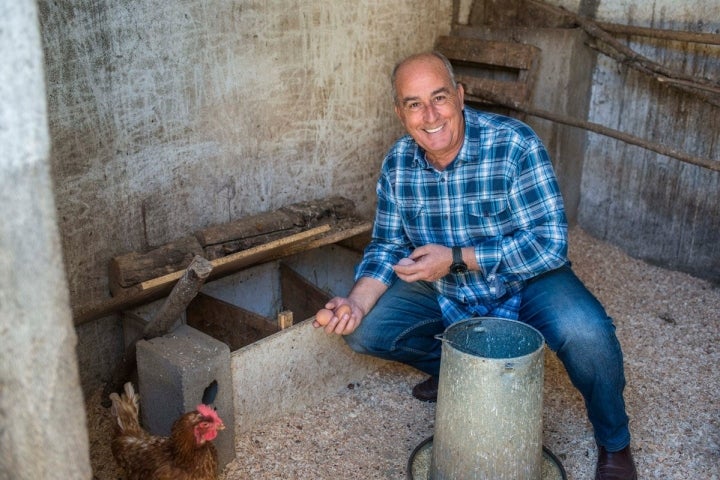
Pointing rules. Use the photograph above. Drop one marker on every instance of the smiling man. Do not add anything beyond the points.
(470, 222)
(430, 107)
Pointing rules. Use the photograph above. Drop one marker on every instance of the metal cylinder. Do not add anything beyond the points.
(488, 420)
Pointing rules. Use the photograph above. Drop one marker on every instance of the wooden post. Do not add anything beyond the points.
(181, 295)
(285, 319)
(177, 301)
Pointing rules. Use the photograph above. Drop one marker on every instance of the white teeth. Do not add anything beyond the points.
(434, 130)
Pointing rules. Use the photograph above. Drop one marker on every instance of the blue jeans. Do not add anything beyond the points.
(403, 324)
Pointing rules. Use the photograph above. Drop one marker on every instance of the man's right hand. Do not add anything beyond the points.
(361, 299)
(340, 316)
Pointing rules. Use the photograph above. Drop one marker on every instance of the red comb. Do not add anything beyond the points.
(207, 411)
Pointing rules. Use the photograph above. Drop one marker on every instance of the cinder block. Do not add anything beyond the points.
(174, 371)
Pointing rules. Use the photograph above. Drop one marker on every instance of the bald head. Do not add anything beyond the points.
(420, 57)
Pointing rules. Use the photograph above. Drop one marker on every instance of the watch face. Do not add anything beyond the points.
(456, 268)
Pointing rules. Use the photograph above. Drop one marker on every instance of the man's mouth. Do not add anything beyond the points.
(434, 130)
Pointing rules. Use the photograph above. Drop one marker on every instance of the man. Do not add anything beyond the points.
(470, 222)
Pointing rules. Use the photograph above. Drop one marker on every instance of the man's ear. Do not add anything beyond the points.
(461, 93)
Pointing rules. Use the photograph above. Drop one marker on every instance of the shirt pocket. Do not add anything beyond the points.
(488, 217)
(413, 218)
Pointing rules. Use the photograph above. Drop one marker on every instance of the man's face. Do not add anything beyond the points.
(430, 108)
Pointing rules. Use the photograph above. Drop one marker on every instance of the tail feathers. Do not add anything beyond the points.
(125, 409)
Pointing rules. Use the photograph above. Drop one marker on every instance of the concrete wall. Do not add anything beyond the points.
(42, 421)
(654, 207)
(167, 117)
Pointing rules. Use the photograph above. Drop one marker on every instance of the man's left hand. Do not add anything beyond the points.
(430, 263)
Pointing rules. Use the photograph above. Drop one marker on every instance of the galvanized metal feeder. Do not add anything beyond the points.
(488, 420)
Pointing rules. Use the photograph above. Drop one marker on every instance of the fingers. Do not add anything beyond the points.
(341, 321)
(337, 317)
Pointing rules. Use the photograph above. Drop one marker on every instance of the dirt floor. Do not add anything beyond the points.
(669, 327)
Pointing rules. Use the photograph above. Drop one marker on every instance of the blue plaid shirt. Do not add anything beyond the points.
(499, 195)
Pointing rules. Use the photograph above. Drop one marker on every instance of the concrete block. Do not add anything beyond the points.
(291, 370)
(174, 371)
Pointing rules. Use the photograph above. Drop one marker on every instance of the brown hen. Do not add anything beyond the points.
(187, 454)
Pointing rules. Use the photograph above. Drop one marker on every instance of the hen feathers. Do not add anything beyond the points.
(187, 454)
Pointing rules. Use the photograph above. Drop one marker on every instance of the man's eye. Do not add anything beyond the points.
(440, 99)
(414, 106)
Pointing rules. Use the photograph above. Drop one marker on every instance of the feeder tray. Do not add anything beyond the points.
(419, 464)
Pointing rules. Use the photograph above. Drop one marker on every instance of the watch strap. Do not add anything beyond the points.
(458, 265)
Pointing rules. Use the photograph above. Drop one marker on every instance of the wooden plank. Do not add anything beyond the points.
(239, 260)
(301, 215)
(157, 288)
(509, 55)
(154, 290)
(230, 324)
(508, 69)
(129, 269)
(213, 252)
(673, 35)
(476, 87)
(226, 239)
(299, 295)
(249, 227)
(338, 233)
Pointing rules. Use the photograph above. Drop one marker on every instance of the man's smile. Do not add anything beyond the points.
(434, 130)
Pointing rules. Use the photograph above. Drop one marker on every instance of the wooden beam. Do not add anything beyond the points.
(603, 130)
(157, 288)
(132, 268)
(231, 324)
(662, 34)
(180, 297)
(608, 45)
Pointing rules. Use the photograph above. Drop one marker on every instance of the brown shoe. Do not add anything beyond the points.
(615, 465)
(426, 390)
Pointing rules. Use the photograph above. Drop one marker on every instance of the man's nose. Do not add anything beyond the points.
(430, 112)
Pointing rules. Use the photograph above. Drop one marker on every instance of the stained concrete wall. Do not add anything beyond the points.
(42, 420)
(167, 117)
(654, 207)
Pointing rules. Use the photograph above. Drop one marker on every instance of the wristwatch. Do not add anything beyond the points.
(458, 266)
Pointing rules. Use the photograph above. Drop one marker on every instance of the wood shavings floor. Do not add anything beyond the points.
(667, 322)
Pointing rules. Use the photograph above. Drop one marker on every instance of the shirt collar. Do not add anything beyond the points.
(466, 153)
